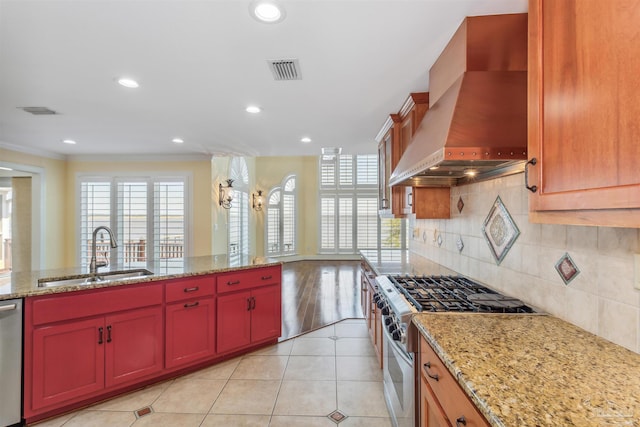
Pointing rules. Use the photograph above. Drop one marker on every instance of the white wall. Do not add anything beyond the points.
(601, 299)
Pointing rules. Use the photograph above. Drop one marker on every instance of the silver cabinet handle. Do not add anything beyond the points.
(8, 307)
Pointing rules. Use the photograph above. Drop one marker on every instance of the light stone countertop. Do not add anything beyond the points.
(20, 285)
(536, 370)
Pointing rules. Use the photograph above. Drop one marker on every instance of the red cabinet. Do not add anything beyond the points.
(82, 346)
(133, 345)
(69, 357)
(67, 361)
(189, 321)
(251, 315)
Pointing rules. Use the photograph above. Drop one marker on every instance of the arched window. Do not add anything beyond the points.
(238, 229)
(281, 219)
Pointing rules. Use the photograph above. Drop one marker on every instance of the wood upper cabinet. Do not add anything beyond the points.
(583, 112)
(395, 136)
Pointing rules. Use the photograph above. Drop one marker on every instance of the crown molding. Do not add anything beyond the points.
(32, 151)
(124, 158)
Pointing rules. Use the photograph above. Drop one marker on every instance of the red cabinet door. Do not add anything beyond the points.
(266, 314)
(190, 331)
(233, 325)
(67, 362)
(133, 345)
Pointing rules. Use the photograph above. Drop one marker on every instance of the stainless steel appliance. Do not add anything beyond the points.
(10, 361)
(399, 298)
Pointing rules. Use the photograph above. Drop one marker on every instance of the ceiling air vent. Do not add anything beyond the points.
(285, 69)
(38, 111)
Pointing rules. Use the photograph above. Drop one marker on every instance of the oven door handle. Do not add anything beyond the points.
(401, 351)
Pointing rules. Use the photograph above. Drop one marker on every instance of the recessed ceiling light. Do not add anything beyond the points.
(127, 82)
(268, 11)
(177, 140)
(305, 139)
(69, 141)
(253, 109)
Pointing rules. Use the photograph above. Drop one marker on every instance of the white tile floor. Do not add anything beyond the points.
(298, 382)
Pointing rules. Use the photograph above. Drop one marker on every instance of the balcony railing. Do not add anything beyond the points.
(136, 250)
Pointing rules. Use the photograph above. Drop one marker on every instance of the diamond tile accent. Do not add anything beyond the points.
(567, 269)
(334, 337)
(460, 204)
(143, 411)
(499, 230)
(459, 244)
(337, 417)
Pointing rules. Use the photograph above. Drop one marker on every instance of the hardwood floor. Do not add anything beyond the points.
(318, 293)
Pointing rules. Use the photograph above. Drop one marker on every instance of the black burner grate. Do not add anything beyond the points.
(449, 293)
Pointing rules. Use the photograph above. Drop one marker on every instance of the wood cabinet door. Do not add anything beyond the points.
(266, 313)
(133, 345)
(233, 321)
(189, 331)
(583, 109)
(431, 413)
(67, 362)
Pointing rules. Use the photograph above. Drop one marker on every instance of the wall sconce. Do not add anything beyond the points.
(225, 194)
(257, 201)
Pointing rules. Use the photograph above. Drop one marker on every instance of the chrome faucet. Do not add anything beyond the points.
(94, 264)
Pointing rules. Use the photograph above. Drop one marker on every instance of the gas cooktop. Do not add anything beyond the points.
(455, 293)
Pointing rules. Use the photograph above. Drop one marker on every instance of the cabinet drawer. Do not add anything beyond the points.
(197, 287)
(240, 280)
(452, 398)
(75, 305)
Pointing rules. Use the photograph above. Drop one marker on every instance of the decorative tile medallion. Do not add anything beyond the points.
(499, 230)
(143, 411)
(439, 240)
(459, 243)
(337, 417)
(567, 269)
(460, 204)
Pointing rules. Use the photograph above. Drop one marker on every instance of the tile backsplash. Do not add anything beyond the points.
(600, 298)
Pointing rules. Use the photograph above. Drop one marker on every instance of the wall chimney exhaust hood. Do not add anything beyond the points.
(476, 130)
(476, 125)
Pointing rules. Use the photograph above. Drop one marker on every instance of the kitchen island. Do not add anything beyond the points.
(87, 341)
(25, 284)
(535, 370)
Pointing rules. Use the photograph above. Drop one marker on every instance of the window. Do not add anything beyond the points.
(349, 219)
(281, 219)
(146, 214)
(238, 230)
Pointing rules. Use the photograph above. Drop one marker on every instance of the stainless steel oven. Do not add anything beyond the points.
(399, 379)
(399, 298)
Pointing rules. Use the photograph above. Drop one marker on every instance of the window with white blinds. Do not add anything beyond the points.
(146, 214)
(280, 232)
(349, 219)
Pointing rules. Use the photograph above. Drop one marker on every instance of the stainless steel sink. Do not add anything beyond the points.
(88, 279)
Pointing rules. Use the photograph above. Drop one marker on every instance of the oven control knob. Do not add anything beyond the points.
(385, 310)
(387, 321)
(397, 335)
(392, 329)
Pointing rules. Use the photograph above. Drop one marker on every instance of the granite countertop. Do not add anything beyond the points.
(20, 285)
(402, 262)
(536, 370)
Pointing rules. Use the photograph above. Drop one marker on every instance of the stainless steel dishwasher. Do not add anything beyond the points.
(10, 361)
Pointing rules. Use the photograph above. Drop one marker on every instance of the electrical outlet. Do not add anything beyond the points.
(636, 271)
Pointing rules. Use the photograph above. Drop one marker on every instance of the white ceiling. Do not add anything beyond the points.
(200, 63)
